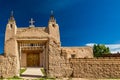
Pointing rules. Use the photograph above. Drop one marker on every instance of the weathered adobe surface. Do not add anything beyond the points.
(79, 52)
(58, 67)
(96, 68)
(8, 66)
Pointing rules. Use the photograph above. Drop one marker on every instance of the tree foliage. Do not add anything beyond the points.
(100, 49)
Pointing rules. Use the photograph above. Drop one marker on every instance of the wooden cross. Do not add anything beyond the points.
(31, 22)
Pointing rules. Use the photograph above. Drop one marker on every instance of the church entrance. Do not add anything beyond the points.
(33, 60)
(33, 56)
(32, 53)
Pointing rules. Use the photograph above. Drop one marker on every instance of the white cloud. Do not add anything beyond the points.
(90, 44)
(114, 48)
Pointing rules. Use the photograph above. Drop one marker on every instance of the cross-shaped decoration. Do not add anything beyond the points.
(31, 22)
(11, 13)
(51, 12)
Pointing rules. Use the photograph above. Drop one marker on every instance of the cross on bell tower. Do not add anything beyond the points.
(52, 19)
(32, 23)
(12, 17)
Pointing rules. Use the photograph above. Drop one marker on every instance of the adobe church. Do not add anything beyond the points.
(35, 46)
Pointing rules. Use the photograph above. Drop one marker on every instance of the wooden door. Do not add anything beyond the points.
(32, 60)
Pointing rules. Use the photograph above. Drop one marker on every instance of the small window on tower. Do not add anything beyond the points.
(10, 25)
(53, 25)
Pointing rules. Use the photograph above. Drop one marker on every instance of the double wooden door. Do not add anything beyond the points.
(33, 60)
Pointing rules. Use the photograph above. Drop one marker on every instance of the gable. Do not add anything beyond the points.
(32, 32)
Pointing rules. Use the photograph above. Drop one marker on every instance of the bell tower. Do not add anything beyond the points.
(11, 46)
(10, 28)
(10, 33)
(53, 28)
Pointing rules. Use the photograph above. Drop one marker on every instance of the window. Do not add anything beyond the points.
(11, 26)
(53, 25)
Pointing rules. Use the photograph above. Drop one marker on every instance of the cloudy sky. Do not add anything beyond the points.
(81, 22)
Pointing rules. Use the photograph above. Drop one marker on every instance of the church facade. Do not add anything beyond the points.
(38, 47)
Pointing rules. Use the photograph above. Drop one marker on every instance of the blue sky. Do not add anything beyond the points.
(82, 22)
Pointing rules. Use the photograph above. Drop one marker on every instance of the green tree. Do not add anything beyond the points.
(99, 49)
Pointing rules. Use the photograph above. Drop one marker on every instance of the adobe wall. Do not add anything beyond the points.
(8, 66)
(78, 52)
(57, 66)
(96, 68)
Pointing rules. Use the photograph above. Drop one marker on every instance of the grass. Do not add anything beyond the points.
(14, 78)
(22, 70)
(43, 71)
(45, 79)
